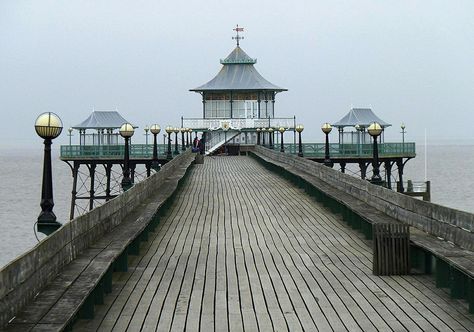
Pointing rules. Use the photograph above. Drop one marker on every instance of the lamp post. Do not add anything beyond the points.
(403, 132)
(155, 130)
(375, 130)
(299, 128)
(326, 128)
(270, 137)
(282, 131)
(126, 131)
(258, 136)
(358, 130)
(190, 131)
(146, 134)
(186, 131)
(48, 126)
(70, 136)
(169, 130)
(183, 146)
(263, 136)
(176, 131)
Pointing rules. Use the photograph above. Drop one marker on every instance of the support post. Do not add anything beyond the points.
(75, 172)
(108, 173)
(92, 185)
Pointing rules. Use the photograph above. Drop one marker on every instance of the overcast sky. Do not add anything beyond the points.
(411, 61)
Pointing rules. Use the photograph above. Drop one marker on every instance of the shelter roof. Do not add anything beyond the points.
(360, 116)
(238, 73)
(102, 120)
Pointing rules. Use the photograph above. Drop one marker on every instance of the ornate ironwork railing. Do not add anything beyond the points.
(200, 124)
(337, 150)
(110, 151)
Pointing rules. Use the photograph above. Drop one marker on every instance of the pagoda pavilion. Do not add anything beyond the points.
(236, 102)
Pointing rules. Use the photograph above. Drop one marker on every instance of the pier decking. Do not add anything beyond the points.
(241, 248)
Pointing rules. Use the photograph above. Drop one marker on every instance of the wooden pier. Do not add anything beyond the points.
(241, 248)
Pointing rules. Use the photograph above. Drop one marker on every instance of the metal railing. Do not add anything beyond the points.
(337, 150)
(237, 124)
(110, 151)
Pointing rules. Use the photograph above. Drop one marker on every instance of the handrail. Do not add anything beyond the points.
(336, 150)
(110, 151)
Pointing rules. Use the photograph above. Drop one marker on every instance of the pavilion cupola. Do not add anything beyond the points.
(238, 90)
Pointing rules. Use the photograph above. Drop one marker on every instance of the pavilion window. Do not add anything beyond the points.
(217, 105)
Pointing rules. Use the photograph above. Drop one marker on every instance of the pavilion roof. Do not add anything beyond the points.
(360, 116)
(102, 120)
(238, 73)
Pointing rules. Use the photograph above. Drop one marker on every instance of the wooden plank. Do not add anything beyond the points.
(259, 258)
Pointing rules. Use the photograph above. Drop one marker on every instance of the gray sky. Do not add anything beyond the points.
(411, 61)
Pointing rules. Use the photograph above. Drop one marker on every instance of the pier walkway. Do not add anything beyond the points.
(243, 249)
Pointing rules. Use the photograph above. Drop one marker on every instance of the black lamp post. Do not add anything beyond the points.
(270, 137)
(258, 136)
(155, 130)
(375, 130)
(169, 131)
(48, 126)
(70, 136)
(190, 131)
(263, 136)
(176, 131)
(403, 132)
(326, 128)
(186, 130)
(183, 142)
(126, 131)
(299, 128)
(282, 131)
(146, 129)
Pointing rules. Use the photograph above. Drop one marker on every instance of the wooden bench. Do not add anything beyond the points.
(452, 266)
(83, 282)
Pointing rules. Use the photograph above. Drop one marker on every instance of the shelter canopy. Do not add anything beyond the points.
(102, 120)
(360, 116)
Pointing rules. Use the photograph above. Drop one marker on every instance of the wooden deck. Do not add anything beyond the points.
(243, 249)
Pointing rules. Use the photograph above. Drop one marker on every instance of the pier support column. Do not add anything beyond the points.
(132, 171)
(388, 173)
(75, 172)
(92, 185)
(363, 170)
(343, 167)
(108, 172)
(148, 170)
(400, 176)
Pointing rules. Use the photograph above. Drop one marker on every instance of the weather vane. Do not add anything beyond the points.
(237, 29)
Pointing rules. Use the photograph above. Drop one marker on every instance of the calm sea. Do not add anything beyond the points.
(449, 169)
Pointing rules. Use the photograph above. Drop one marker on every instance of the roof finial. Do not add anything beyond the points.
(237, 37)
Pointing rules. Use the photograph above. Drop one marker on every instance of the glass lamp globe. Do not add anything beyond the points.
(326, 128)
(374, 129)
(299, 128)
(155, 129)
(48, 125)
(126, 130)
(281, 130)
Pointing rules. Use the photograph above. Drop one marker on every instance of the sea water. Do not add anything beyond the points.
(448, 169)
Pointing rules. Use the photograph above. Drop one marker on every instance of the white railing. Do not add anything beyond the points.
(218, 139)
(238, 124)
